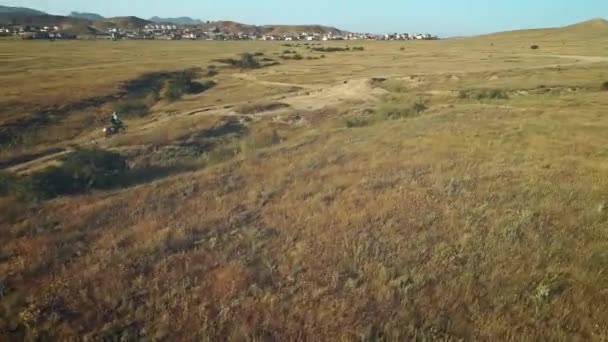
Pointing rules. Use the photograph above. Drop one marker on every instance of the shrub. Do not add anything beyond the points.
(396, 111)
(260, 107)
(199, 87)
(95, 168)
(52, 182)
(330, 49)
(402, 49)
(183, 84)
(419, 106)
(490, 94)
(178, 86)
(8, 182)
(298, 57)
(356, 122)
(248, 61)
(534, 47)
(258, 54)
(358, 48)
(81, 171)
(605, 86)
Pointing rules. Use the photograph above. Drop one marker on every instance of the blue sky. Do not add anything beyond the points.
(443, 17)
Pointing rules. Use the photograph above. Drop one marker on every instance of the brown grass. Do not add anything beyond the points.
(474, 220)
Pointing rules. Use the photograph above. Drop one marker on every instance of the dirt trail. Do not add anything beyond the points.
(575, 60)
(253, 78)
(38, 163)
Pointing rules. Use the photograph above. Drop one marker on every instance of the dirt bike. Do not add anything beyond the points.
(114, 129)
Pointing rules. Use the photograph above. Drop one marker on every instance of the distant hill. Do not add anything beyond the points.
(39, 20)
(88, 16)
(130, 22)
(234, 27)
(292, 29)
(78, 26)
(177, 21)
(19, 10)
(586, 30)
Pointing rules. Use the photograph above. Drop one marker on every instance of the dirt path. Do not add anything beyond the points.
(38, 163)
(253, 78)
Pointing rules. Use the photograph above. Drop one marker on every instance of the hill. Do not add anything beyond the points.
(88, 16)
(291, 29)
(235, 27)
(177, 21)
(40, 20)
(591, 29)
(129, 22)
(20, 10)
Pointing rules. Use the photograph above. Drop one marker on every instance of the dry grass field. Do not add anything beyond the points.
(435, 190)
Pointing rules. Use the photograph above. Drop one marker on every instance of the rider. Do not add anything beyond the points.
(115, 121)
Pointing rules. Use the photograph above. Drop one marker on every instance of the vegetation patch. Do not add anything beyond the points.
(81, 171)
(296, 57)
(534, 47)
(246, 61)
(260, 107)
(484, 94)
(355, 122)
(330, 49)
(400, 110)
(605, 86)
(184, 84)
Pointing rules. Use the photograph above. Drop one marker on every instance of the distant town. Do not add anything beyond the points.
(179, 32)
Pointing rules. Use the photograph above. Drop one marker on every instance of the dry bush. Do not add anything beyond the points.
(260, 107)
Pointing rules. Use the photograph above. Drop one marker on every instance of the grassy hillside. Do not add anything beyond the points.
(426, 190)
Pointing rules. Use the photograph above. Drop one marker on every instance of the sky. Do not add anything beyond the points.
(447, 18)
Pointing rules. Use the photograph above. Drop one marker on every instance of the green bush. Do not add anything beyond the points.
(183, 84)
(534, 47)
(605, 86)
(81, 171)
(358, 48)
(94, 168)
(485, 94)
(248, 61)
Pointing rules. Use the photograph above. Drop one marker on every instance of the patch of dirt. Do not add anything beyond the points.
(359, 90)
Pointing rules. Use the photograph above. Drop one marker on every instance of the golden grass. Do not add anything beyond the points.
(476, 219)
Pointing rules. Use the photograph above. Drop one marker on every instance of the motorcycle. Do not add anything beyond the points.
(114, 129)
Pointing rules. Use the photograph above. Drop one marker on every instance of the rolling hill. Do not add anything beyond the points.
(19, 10)
(87, 16)
(177, 21)
(90, 23)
